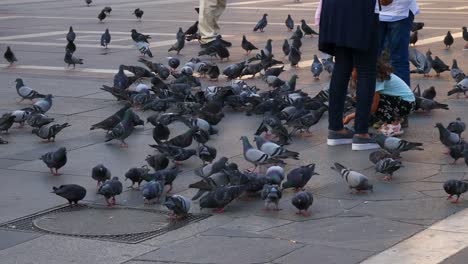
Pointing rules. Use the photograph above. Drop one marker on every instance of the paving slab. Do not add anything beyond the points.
(12, 238)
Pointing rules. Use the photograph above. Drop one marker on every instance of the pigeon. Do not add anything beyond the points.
(255, 156)
(296, 42)
(110, 122)
(455, 187)
(157, 162)
(180, 42)
(213, 72)
(388, 166)
(50, 131)
(183, 140)
(381, 154)
(428, 105)
(456, 151)
(457, 126)
(465, 155)
(465, 36)
(252, 69)
(289, 23)
(138, 37)
(460, 87)
(109, 189)
(396, 145)
(192, 30)
(328, 64)
(2, 141)
(41, 106)
(55, 160)
(261, 24)
(294, 57)
(105, 38)
(220, 197)
(70, 59)
(298, 177)
(417, 26)
(423, 63)
(316, 68)
(448, 40)
(70, 46)
(88, 2)
(286, 48)
(206, 153)
(439, 66)
(216, 48)
(302, 201)
(247, 45)
(167, 176)
(107, 9)
(71, 35)
(298, 33)
(100, 174)
(25, 92)
(212, 168)
(275, 174)
(307, 29)
(102, 15)
(306, 121)
(273, 125)
(123, 129)
(20, 116)
(271, 194)
(72, 192)
(446, 137)
(152, 190)
(173, 63)
(6, 122)
(234, 71)
(10, 56)
(354, 179)
(160, 132)
(138, 13)
(457, 74)
(38, 120)
(274, 150)
(430, 93)
(136, 175)
(414, 38)
(144, 48)
(175, 153)
(178, 205)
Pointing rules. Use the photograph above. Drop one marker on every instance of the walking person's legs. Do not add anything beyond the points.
(210, 11)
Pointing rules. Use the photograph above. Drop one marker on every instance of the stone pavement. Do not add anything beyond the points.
(343, 228)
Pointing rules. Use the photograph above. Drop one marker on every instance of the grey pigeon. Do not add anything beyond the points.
(328, 64)
(298, 33)
(102, 15)
(180, 42)
(306, 121)
(286, 48)
(157, 162)
(72, 192)
(273, 125)
(185, 139)
(220, 197)
(261, 24)
(289, 23)
(296, 42)
(209, 183)
(420, 61)
(274, 150)
(212, 168)
(2, 141)
(234, 71)
(37, 120)
(71, 47)
(42, 105)
(71, 35)
(144, 48)
(430, 93)
(455, 187)
(109, 189)
(456, 151)
(138, 37)
(316, 68)
(136, 175)
(206, 153)
(294, 57)
(271, 194)
(255, 156)
(448, 40)
(21, 116)
(439, 66)
(55, 160)
(461, 87)
(178, 205)
(275, 174)
(138, 13)
(428, 105)
(153, 190)
(173, 63)
(388, 166)
(247, 45)
(302, 201)
(9, 56)
(167, 176)
(105, 38)
(70, 59)
(380, 154)
(396, 145)
(123, 129)
(6, 122)
(174, 153)
(100, 174)
(107, 9)
(354, 179)
(457, 126)
(25, 92)
(110, 122)
(160, 132)
(457, 74)
(298, 177)
(88, 2)
(307, 29)
(121, 80)
(417, 26)
(446, 137)
(50, 131)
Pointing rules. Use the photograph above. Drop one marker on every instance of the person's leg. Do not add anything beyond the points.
(338, 87)
(207, 21)
(220, 7)
(399, 33)
(383, 38)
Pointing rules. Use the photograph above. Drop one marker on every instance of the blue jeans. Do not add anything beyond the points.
(395, 36)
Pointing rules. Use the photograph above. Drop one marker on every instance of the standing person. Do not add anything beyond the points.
(396, 20)
(209, 14)
(349, 31)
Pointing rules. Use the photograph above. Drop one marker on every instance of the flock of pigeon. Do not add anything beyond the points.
(174, 92)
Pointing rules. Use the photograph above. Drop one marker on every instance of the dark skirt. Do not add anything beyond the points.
(347, 23)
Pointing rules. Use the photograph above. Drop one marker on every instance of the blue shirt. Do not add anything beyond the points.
(395, 87)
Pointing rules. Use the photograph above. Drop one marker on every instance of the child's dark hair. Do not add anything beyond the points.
(384, 70)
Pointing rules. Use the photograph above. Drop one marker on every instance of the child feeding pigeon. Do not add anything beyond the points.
(393, 101)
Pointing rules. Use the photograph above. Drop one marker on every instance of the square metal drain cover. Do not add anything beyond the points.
(118, 224)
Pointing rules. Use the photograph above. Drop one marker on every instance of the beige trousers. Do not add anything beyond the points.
(210, 11)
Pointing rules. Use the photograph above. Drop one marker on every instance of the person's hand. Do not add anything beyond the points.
(348, 118)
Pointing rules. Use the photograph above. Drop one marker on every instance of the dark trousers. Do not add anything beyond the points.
(395, 36)
(365, 62)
